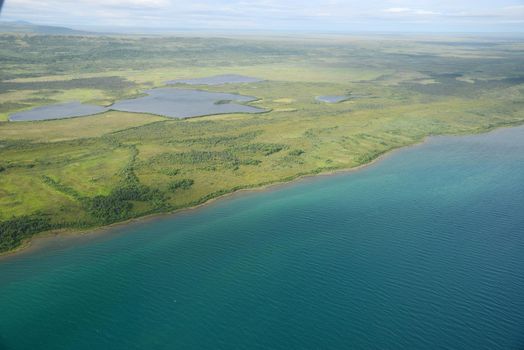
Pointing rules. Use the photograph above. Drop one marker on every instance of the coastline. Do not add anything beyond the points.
(46, 238)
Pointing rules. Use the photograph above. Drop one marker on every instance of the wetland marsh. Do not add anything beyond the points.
(216, 80)
(71, 174)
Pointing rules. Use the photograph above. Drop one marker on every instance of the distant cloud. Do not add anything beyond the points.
(397, 10)
(315, 15)
(409, 11)
(516, 7)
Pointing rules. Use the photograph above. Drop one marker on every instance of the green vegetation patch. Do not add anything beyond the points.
(102, 83)
(15, 230)
(183, 184)
(263, 148)
(91, 171)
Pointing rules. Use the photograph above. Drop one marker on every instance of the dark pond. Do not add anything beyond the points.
(57, 111)
(169, 102)
(332, 98)
(217, 80)
(182, 103)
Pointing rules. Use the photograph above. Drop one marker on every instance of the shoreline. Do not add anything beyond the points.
(40, 240)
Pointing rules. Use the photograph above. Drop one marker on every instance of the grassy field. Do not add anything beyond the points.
(95, 170)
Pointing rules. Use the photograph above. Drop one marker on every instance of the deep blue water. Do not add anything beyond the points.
(423, 250)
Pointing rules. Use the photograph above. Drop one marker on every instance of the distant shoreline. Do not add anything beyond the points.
(43, 239)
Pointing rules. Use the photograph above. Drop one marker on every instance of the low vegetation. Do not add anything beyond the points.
(96, 170)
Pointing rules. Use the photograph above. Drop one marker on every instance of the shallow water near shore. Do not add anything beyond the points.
(422, 250)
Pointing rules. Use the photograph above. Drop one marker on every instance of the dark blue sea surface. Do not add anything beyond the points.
(422, 250)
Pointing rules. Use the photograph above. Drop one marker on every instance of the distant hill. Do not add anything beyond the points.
(30, 28)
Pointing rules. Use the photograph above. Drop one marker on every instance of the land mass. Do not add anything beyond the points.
(31, 28)
(92, 171)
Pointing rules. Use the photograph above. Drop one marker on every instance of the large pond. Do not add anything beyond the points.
(422, 250)
(217, 80)
(182, 103)
(57, 111)
(168, 102)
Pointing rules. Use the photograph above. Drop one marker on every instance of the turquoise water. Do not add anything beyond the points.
(423, 250)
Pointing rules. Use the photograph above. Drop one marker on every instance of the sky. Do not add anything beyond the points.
(275, 15)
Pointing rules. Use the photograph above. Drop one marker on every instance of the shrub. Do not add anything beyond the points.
(13, 231)
(296, 152)
(183, 184)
